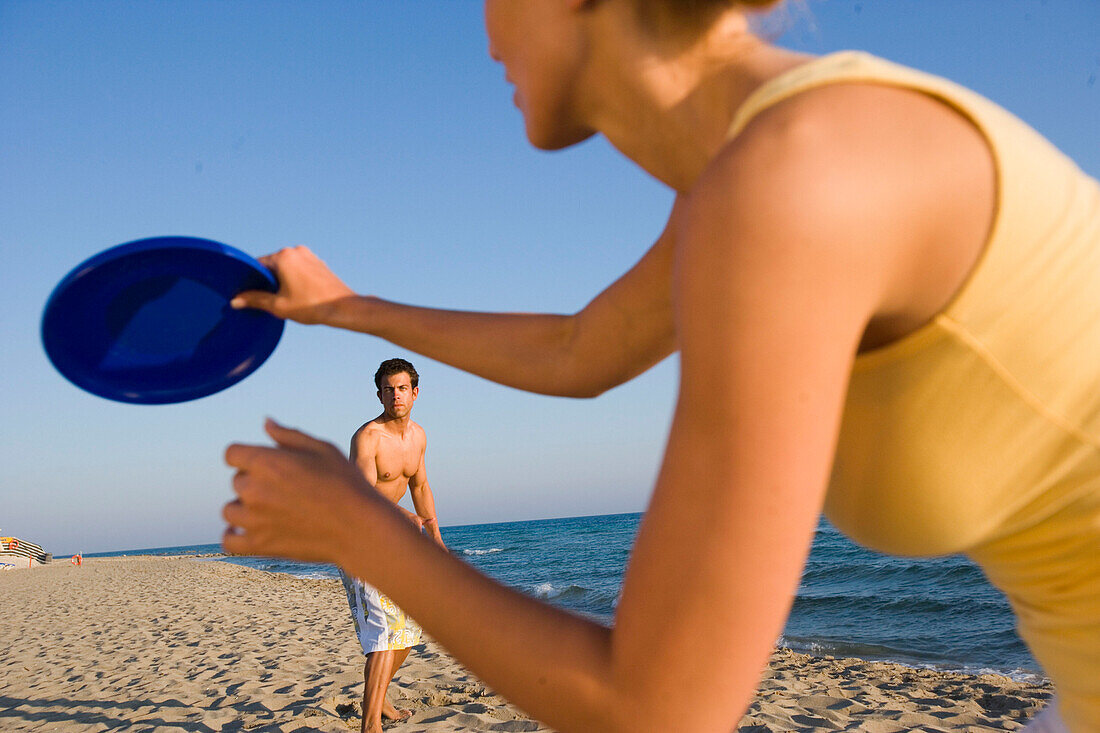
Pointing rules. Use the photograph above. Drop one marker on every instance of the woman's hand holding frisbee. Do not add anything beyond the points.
(308, 289)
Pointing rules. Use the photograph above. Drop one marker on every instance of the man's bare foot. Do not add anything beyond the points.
(391, 713)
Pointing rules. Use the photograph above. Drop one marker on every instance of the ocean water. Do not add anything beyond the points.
(938, 613)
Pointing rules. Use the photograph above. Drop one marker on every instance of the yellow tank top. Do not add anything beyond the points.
(979, 433)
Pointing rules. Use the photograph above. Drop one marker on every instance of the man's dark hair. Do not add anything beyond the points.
(395, 366)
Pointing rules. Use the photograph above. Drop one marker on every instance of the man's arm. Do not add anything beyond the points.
(424, 502)
(364, 452)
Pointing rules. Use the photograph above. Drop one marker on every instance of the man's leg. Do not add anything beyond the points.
(399, 657)
(388, 710)
(376, 677)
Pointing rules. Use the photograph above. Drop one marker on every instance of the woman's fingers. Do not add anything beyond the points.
(291, 438)
(293, 449)
(249, 457)
(235, 538)
(259, 299)
(275, 260)
(245, 487)
(250, 532)
(288, 495)
(235, 514)
(307, 287)
(235, 543)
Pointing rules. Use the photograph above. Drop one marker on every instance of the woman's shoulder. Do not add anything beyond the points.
(855, 145)
(834, 150)
(885, 120)
(885, 175)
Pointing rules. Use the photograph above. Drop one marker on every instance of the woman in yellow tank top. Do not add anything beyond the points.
(885, 294)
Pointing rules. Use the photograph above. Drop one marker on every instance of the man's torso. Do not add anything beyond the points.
(397, 457)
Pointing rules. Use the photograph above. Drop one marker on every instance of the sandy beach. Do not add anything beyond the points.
(181, 644)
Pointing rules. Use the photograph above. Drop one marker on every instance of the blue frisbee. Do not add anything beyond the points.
(149, 322)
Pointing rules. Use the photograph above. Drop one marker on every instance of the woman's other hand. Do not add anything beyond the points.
(294, 499)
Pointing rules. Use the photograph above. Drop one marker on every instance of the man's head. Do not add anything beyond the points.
(398, 386)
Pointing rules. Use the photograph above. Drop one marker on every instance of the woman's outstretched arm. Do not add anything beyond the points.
(625, 330)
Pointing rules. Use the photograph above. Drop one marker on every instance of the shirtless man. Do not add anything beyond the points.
(389, 450)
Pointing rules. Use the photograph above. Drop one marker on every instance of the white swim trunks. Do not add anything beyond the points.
(1049, 720)
(379, 623)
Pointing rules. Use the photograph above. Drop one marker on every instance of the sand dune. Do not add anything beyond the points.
(179, 644)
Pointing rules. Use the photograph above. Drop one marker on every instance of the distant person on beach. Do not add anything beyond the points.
(885, 295)
(389, 451)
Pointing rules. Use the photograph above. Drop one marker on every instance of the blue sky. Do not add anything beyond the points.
(381, 135)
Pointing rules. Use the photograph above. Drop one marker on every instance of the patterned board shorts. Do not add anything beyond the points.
(379, 623)
(1049, 720)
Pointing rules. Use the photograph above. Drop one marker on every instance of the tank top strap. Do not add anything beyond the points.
(839, 67)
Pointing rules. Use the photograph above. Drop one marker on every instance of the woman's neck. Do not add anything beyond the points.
(670, 113)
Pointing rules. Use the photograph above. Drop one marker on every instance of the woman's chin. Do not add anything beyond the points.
(558, 137)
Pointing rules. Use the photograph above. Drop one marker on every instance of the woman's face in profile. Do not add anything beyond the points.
(539, 43)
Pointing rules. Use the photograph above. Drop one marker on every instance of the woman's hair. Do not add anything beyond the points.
(682, 17)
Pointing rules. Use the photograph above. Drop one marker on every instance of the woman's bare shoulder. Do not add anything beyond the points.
(893, 182)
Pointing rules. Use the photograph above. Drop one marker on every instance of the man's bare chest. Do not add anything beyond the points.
(397, 462)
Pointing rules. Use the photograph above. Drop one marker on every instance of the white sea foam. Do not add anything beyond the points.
(545, 590)
(490, 551)
(868, 652)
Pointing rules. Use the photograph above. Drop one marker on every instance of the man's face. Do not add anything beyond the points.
(397, 394)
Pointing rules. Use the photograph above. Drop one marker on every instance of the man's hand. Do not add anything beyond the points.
(431, 527)
(308, 289)
(417, 521)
